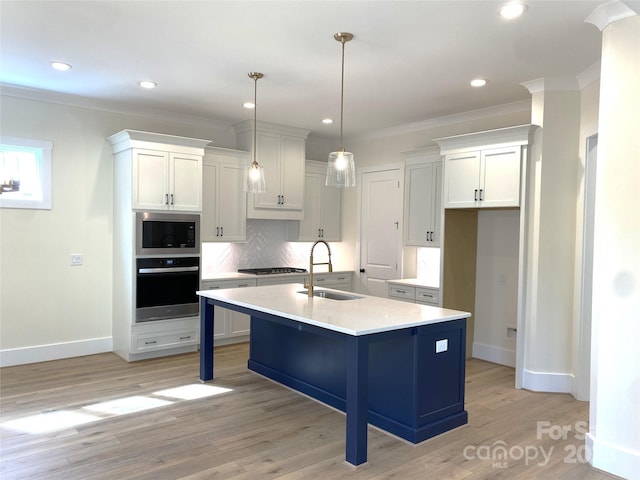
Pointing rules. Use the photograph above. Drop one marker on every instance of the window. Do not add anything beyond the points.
(25, 173)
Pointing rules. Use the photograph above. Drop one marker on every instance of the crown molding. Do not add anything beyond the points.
(479, 114)
(551, 84)
(107, 106)
(589, 75)
(611, 12)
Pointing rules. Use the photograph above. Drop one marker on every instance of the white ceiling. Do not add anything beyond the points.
(409, 61)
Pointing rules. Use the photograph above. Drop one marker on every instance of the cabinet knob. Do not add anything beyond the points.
(362, 270)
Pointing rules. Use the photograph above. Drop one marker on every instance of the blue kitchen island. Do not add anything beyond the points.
(396, 365)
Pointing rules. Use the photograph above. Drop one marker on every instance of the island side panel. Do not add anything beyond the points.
(401, 399)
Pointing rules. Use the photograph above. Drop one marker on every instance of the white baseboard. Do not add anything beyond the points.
(613, 459)
(44, 353)
(493, 354)
(547, 382)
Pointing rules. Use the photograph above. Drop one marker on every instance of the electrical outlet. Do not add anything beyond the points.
(442, 345)
(512, 332)
(76, 259)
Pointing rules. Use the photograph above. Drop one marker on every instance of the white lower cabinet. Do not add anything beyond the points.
(335, 280)
(414, 294)
(164, 335)
(229, 325)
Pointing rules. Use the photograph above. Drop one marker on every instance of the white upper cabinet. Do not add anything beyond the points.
(224, 217)
(281, 152)
(165, 171)
(423, 198)
(322, 208)
(483, 170)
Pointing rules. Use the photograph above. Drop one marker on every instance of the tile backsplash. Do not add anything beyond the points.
(267, 245)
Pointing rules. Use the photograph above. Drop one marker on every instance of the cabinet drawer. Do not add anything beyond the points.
(401, 292)
(429, 296)
(163, 340)
(220, 284)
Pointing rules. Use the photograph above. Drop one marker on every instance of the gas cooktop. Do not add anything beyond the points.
(271, 270)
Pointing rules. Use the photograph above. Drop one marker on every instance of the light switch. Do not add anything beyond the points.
(76, 259)
(442, 345)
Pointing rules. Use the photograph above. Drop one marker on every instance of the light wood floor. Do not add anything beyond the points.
(262, 430)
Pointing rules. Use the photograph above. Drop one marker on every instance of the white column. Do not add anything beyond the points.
(552, 186)
(614, 431)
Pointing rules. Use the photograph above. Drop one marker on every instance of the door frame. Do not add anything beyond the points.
(399, 166)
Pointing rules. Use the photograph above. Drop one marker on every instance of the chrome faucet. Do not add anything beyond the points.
(309, 287)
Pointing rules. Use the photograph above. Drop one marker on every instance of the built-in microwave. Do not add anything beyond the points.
(159, 233)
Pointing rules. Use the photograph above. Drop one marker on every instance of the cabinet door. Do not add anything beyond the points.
(418, 197)
(186, 182)
(292, 152)
(462, 174)
(209, 228)
(239, 324)
(220, 322)
(331, 212)
(268, 146)
(436, 201)
(150, 179)
(311, 225)
(500, 177)
(232, 207)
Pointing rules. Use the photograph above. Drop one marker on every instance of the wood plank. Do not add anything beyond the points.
(260, 429)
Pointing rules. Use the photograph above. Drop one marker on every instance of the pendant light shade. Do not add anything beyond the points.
(254, 181)
(341, 169)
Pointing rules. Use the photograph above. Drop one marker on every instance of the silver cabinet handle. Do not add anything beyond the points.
(166, 199)
(475, 195)
(152, 342)
(481, 195)
(172, 203)
(185, 338)
(222, 231)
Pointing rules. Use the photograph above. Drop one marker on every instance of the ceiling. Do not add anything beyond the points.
(409, 61)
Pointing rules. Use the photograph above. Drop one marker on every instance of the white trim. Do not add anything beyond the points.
(479, 114)
(547, 382)
(589, 75)
(108, 106)
(551, 84)
(56, 351)
(494, 354)
(608, 13)
(613, 459)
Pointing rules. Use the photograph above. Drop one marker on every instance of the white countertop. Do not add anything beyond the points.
(361, 316)
(413, 282)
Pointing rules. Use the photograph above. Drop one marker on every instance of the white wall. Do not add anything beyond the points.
(43, 300)
(496, 285)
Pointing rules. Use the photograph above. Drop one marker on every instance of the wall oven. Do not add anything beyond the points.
(159, 233)
(166, 288)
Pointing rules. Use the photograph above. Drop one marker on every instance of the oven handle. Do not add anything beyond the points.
(168, 269)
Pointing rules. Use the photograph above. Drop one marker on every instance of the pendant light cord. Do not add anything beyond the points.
(255, 117)
(342, 41)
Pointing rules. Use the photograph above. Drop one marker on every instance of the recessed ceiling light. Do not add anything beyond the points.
(249, 105)
(61, 66)
(147, 84)
(478, 82)
(512, 10)
(327, 121)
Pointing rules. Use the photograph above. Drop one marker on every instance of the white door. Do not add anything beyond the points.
(380, 230)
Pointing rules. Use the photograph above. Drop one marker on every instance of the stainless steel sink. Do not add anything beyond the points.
(331, 295)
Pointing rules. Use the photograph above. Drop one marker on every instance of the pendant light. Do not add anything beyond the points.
(341, 170)
(254, 181)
